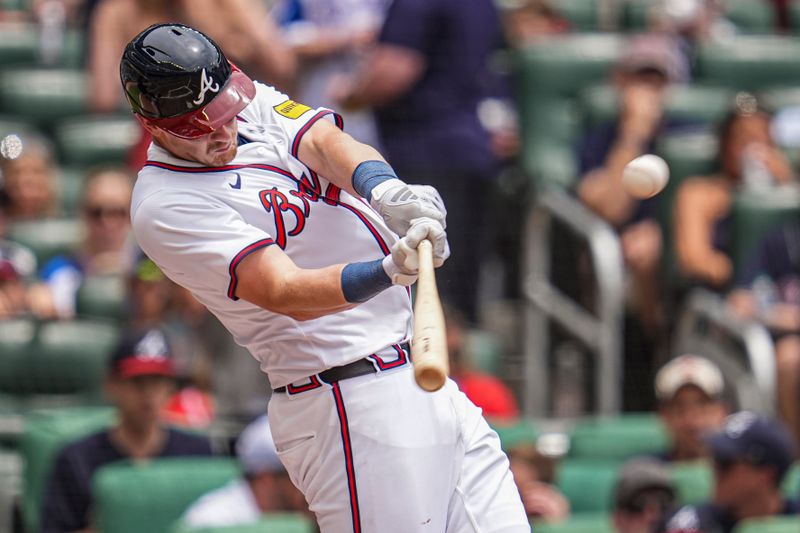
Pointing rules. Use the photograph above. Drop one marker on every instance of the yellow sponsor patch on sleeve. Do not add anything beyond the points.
(291, 109)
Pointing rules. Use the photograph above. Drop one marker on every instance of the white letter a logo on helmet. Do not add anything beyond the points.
(206, 84)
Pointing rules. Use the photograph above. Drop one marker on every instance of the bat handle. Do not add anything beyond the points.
(429, 348)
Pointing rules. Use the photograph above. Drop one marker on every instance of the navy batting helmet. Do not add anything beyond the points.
(178, 79)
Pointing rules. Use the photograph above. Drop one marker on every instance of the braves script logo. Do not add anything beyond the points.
(206, 84)
(277, 203)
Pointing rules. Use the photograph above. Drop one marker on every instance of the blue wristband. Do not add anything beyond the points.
(362, 281)
(369, 174)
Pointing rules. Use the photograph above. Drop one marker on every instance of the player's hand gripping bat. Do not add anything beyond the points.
(428, 347)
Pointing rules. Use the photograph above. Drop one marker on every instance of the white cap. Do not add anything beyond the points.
(256, 449)
(689, 370)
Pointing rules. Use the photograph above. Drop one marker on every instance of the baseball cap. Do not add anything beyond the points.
(143, 354)
(689, 370)
(654, 52)
(256, 449)
(754, 439)
(638, 476)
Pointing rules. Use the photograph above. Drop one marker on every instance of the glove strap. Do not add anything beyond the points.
(369, 174)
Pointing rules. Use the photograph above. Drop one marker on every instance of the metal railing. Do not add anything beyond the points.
(600, 331)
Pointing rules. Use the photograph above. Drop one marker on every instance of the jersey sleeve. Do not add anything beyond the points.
(293, 119)
(197, 241)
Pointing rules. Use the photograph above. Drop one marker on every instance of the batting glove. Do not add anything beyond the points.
(398, 274)
(404, 251)
(400, 204)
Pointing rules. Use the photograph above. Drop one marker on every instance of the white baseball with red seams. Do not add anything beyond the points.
(373, 453)
(645, 176)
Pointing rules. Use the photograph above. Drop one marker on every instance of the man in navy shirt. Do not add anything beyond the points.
(427, 79)
(139, 383)
(751, 457)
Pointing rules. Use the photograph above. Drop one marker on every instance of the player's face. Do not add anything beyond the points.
(216, 149)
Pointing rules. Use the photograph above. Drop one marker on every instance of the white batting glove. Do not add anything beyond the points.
(400, 204)
(404, 251)
(398, 274)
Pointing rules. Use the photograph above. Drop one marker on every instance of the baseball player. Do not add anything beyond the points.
(303, 242)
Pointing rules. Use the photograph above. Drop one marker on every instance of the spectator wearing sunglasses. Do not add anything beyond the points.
(105, 248)
(751, 456)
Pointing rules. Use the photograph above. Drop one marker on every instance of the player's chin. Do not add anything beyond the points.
(223, 157)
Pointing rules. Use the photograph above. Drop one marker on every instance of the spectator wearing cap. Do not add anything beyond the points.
(139, 382)
(689, 391)
(647, 68)
(264, 486)
(752, 455)
(643, 496)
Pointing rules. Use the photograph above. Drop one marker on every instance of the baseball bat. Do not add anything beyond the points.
(429, 345)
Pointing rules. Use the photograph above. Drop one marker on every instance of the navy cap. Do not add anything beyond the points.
(754, 439)
(144, 354)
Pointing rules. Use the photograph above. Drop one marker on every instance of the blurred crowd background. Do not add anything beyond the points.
(640, 359)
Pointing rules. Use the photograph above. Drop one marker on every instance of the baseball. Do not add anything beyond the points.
(645, 176)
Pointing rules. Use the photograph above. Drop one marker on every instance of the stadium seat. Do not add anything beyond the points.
(690, 103)
(693, 481)
(88, 140)
(617, 438)
(583, 15)
(550, 163)
(485, 351)
(272, 523)
(19, 44)
(102, 297)
(587, 484)
(46, 432)
(755, 213)
(581, 523)
(65, 358)
(747, 15)
(70, 187)
(791, 483)
(47, 238)
(43, 95)
(780, 524)
(750, 62)
(10, 124)
(521, 433)
(153, 496)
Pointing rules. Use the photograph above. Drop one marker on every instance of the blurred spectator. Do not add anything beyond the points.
(427, 86)
(689, 391)
(694, 21)
(534, 475)
(751, 457)
(106, 249)
(527, 22)
(484, 390)
(648, 66)
(330, 39)
(139, 382)
(242, 27)
(643, 496)
(263, 488)
(17, 266)
(748, 159)
(28, 177)
(768, 289)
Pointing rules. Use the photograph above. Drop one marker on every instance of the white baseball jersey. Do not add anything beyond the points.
(198, 223)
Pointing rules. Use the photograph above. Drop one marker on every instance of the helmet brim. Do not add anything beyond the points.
(237, 94)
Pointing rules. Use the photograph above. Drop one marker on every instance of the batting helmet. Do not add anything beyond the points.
(178, 79)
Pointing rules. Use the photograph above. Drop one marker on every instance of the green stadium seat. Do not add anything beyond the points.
(583, 15)
(707, 105)
(96, 140)
(755, 213)
(581, 523)
(587, 484)
(10, 124)
(693, 481)
(485, 351)
(43, 95)
(19, 43)
(103, 297)
(520, 433)
(791, 484)
(636, 13)
(272, 522)
(551, 164)
(749, 16)
(750, 62)
(153, 496)
(782, 524)
(617, 438)
(70, 188)
(46, 432)
(47, 238)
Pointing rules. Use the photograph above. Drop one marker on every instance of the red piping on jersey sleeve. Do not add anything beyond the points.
(247, 250)
(296, 143)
